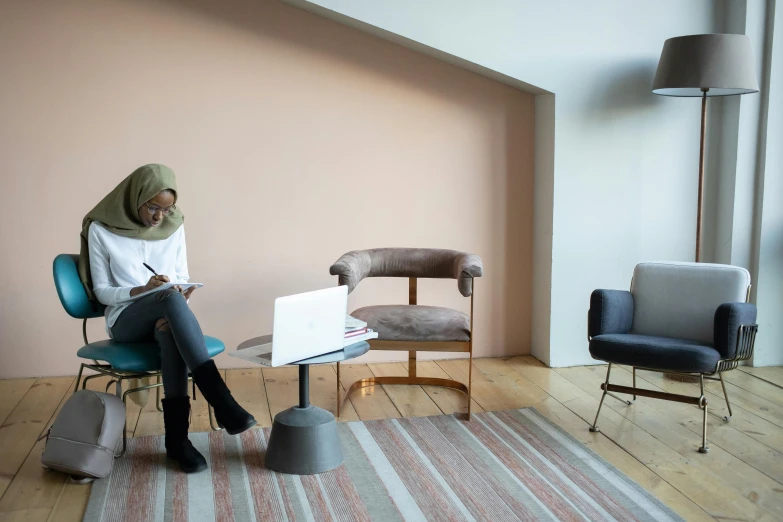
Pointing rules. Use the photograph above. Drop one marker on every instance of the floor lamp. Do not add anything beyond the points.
(705, 65)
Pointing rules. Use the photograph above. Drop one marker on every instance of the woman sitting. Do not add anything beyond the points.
(139, 224)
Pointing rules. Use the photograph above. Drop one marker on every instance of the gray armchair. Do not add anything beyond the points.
(413, 327)
(689, 318)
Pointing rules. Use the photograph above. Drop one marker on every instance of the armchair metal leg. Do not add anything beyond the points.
(594, 427)
(626, 401)
(703, 404)
(726, 395)
(634, 384)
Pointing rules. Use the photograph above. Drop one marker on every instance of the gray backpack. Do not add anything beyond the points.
(85, 435)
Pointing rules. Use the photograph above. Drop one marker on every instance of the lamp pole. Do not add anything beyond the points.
(701, 171)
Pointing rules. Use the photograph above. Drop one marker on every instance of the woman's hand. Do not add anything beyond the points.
(185, 293)
(154, 282)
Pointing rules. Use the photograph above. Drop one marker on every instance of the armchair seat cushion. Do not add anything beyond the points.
(657, 353)
(416, 323)
(136, 357)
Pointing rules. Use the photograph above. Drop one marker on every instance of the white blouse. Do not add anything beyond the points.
(116, 265)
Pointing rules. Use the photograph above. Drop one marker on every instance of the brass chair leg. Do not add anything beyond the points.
(726, 395)
(703, 401)
(594, 427)
(470, 381)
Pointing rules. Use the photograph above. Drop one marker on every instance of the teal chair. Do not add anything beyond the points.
(122, 361)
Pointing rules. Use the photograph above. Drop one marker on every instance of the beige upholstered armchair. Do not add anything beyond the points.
(413, 327)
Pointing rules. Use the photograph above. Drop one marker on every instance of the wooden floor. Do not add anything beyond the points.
(653, 442)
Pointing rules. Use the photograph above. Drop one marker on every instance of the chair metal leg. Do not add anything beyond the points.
(338, 389)
(78, 378)
(703, 404)
(89, 378)
(726, 395)
(633, 368)
(124, 428)
(158, 403)
(594, 427)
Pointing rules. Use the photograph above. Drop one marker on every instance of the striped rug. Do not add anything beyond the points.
(509, 465)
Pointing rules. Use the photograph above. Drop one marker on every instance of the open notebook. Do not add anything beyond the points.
(184, 286)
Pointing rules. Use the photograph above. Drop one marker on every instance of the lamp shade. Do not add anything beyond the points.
(722, 63)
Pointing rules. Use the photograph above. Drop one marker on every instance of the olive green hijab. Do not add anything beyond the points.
(119, 212)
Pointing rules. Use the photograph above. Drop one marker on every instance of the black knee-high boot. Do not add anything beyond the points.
(176, 417)
(229, 414)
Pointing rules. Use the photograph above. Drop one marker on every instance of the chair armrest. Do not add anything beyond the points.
(611, 312)
(729, 318)
(352, 268)
(466, 267)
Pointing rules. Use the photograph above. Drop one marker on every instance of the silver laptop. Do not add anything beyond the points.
(305, 325)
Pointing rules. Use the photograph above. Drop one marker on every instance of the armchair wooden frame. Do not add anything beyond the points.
(412, 347)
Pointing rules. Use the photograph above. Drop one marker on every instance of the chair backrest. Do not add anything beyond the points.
(70, 290)
(679, 300)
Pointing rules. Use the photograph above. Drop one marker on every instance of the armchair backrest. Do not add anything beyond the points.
(409, 262)
(70, 289)
(679, 300)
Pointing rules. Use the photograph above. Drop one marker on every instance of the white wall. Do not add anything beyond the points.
(625, 160)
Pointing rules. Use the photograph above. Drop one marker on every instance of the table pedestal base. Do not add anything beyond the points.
(304, 441)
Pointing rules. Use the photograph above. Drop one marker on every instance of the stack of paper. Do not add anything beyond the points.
(356, 331)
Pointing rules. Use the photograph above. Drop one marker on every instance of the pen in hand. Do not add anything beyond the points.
(148, 267)
(157, 276)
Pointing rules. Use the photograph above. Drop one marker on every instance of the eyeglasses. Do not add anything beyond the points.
(154, 210)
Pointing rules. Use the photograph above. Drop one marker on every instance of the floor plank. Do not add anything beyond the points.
(71, 504)
(754, 385)
(12, 391)
(411, 401)
(371, 402)
(25, 515)
(486, 393)
(199, 421)
(448, 400)
(21, 429)
(772, 374)
(347, 412)
(247, 387)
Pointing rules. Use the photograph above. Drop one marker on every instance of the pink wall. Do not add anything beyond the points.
(295, 139)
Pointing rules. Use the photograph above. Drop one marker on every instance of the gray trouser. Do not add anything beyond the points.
(181, 342)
